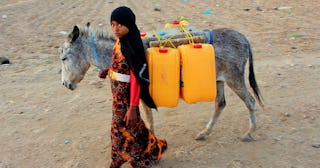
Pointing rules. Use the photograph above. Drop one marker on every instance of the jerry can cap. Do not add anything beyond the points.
(143, 34)
(175, 22)
(197, 45)
(163, 50)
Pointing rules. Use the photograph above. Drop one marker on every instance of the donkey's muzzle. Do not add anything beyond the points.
(68, 85)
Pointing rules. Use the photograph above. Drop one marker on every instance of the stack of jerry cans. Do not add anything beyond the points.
(164, 74)
(198, 73)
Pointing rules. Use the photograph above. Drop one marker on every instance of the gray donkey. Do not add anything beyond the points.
(87, 46)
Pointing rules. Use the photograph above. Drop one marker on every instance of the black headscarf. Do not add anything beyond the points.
(133, 50)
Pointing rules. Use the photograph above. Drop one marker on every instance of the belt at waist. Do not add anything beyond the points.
(119, 76)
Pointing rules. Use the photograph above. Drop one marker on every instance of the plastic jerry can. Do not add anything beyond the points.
(198, 73)
(164, 74)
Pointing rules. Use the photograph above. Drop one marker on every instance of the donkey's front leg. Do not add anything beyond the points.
(149, 116)
(220, 103)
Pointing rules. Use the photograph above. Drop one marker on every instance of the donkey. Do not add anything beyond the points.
(87, 46)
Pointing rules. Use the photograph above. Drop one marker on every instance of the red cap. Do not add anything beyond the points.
(163, 50)
(197, 45)
(176, 22)
(143, 34)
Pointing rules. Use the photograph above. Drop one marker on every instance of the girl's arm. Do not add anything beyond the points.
(131, 115)
(134, 90)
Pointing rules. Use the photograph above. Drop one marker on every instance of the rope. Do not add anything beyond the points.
(169, 40)
(188, 34)
(211, 37)
(166, 39)
(94, 50)
(158, 38)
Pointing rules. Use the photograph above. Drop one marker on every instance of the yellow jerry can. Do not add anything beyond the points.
(198, 73)
(164, 74)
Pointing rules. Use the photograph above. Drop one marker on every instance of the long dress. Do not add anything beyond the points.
(137, 145)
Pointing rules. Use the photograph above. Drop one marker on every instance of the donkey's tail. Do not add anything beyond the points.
(252, 79)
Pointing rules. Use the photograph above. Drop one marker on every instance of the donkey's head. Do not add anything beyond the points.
(73, 64)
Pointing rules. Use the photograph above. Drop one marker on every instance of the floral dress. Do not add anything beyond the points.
(136, 145)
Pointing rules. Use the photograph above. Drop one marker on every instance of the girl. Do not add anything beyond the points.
(131, 140)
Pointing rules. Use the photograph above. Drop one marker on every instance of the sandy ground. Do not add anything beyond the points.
(44, 125)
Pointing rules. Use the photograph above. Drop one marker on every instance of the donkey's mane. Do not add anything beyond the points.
(88, 31)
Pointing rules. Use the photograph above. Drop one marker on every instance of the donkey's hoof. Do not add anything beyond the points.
(201, 136)
(247, 138)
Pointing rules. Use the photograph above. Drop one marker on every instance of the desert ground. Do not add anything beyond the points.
(45, 125)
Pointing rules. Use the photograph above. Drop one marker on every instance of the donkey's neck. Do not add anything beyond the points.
(97, 51)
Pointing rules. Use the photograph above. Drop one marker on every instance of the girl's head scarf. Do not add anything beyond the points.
(133, 50)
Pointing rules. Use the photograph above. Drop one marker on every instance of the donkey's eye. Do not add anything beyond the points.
(64, 58)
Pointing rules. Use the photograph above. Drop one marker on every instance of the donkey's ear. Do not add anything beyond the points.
(74, 34)
(88, 24)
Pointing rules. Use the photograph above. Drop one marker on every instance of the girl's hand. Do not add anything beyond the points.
(131, 116)
(103, 73)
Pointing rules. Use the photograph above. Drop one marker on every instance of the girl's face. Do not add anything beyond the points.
(118, 29)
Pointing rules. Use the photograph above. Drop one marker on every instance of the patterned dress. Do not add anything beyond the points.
(136, 145)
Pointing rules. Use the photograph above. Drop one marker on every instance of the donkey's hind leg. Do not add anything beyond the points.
(220, 103)
(149, 116)
(241, 90)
